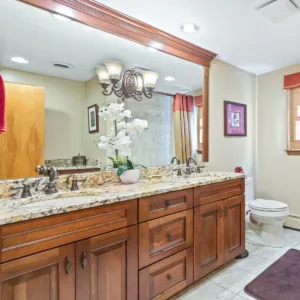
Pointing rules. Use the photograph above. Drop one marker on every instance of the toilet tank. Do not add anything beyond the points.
(249, 189)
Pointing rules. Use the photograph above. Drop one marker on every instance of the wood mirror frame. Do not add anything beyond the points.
(100, 16)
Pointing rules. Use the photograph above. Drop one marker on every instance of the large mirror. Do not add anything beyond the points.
(54, 92)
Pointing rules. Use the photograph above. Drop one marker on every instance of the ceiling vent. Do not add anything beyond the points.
(277, 10)
(62, 65)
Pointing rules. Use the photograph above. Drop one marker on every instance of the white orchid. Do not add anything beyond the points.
(120, 139)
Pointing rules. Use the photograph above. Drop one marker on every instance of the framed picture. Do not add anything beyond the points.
(93, 118)
(235, 119)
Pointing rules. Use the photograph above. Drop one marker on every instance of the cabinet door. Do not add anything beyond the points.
(234, 227)
(107, 266)
(208, 238)
(48, 275)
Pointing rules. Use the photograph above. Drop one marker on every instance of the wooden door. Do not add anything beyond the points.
(48, 275)
(107, 266)
(208, 238)
(234, 227)
(22, 146)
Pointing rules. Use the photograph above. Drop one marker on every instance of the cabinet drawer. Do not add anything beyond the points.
(165, 236)
(167, 277)
(25, 238)
(165, 204)
(218, 191)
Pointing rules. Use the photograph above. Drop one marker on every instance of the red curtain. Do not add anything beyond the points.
(183, 107)
(291, 81)
(199, 100)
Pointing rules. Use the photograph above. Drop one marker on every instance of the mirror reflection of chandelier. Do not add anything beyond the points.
(130, 84)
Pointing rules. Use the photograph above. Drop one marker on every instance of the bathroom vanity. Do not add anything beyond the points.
(145, 241)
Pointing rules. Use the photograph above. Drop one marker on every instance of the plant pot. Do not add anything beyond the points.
(130, 176)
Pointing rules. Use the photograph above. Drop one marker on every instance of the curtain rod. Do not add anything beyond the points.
(163, 93)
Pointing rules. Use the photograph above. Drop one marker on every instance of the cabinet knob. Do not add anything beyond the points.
(226, 211)
(68, 265)
(84, 260)
(170, 237)
(169, 277)
(221, 212)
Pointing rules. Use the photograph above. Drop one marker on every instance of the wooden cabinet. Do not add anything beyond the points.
(49, 275)
(219, 234)
(107, 266)
(234, 227)
(167, 277)
(165, 236)
(150, 248)
(208, 238)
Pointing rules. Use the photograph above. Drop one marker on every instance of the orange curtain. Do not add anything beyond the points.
(291, 81)
(182, 114)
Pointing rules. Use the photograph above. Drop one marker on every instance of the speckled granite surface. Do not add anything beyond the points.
(41, 205)
(77, 167)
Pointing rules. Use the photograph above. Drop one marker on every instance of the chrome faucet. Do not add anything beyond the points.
(52, 173)
(178, 163)
(191, 159)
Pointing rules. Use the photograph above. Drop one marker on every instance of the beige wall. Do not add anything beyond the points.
(230, 83)
(278, 174)
(63, 115)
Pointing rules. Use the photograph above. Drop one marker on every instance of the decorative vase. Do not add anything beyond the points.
(130, 176)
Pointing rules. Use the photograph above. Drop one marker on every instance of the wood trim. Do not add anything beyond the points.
(100, 16)
(292, 152)
(205, 150)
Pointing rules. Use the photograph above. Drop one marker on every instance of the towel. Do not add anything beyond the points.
(2, 107)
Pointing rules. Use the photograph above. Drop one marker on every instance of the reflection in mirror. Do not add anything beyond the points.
(52, 100)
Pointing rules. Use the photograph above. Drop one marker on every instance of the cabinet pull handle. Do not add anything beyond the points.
(226, 211)
(170, 237)
(169, 277)
(221, 212)
(68, 265)
(84, 260)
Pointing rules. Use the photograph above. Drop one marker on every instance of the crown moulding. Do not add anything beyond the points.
(100, 16)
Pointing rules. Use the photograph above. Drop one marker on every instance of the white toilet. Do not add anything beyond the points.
(266, 217)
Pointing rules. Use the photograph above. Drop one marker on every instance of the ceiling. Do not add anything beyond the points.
(231, 28)
(40, 38)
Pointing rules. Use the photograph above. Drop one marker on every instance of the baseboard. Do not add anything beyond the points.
(293, 222)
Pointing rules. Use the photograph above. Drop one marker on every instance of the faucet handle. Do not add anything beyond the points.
(75, 181)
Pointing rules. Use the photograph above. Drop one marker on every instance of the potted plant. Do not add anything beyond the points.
(119, 139)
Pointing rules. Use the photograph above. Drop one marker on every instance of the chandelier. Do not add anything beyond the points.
(130, 84)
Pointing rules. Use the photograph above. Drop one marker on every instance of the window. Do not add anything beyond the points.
(294, 119)
(200, 128)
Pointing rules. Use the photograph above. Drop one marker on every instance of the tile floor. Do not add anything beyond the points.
(228, 282)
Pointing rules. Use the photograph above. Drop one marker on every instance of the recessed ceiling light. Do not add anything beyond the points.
(61, 18)
(169, 78)
(151, 49)
(19, 60)
(189, 28)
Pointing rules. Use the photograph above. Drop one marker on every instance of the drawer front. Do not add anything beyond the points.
(165, 236)
(25, 238)
(165, 204)
(218, 191)
(167, 277)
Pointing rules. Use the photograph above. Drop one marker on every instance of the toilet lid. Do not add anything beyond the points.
(267, 205)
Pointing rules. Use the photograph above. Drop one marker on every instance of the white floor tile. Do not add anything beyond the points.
(253, 264)
(209, 291)
(297, 246)
(245, 296)
(291, 236)
(253, 248)
(237, 297)
(272, 253)
(233, 279)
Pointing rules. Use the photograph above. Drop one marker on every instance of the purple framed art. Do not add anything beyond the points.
(235, 119)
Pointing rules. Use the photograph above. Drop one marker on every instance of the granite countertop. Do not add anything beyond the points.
(15, 210)
(81, 167)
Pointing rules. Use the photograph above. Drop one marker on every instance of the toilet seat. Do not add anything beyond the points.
(267, 205)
